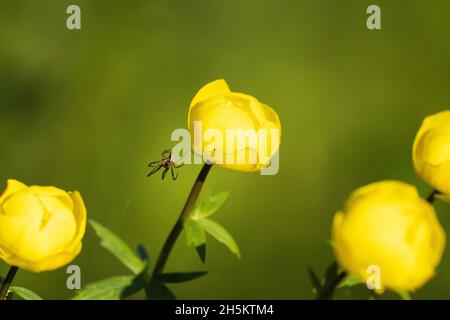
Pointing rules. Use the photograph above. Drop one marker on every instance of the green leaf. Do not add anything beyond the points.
(118, 248)
(143, 254)
(210, 204)
(106, 289)
(156, 290)
(221, 235)
(195, 236)
(405, 295)
(201, 251)
(317, 285)
(350, 281)
(25, 293)
(139, 282)
(177, 277)
(331, 273)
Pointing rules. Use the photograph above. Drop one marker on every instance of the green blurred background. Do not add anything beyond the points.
(87, 110)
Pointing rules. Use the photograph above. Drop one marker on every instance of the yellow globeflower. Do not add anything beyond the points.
(227, 118)
(388, 225)
(40, 227)
(431, 152)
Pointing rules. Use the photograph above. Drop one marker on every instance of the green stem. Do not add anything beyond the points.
(178, 227)
(328, 291)
(7, 282)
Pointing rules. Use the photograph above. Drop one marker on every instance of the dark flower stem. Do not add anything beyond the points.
(432, 197)
(178, 227)
(328, 291)
(7, 282)
(374, 295)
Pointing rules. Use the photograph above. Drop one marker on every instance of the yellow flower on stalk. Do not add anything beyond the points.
(388, 225)
(41, 228)
(222, 112)
(431, 152)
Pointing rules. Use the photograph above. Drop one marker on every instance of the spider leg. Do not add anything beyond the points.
(154, 163)
(155, 169)
(174, 177)
(178, 165)
(164, 173)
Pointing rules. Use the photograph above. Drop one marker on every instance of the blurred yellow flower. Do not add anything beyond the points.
(387, 224)
(40, 227)
(225, 113)
(431, 152)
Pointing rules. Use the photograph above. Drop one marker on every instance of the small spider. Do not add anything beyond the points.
(165, 163)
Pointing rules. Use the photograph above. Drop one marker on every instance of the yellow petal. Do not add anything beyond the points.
(20, 204)
(56, 261)
(37, 222)
(52, 198)
(49, 263)
(209, 90)
(444, 197)
(80, 214)
(12, 186)
(228, 118)
(387, 224)
(41, 228)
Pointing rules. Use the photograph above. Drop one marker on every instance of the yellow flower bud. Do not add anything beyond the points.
(40, 227)
(388, 225)
(222, 112)
(431, 152)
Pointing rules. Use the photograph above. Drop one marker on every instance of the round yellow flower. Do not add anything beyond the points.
(222, 112)
(40, 227)
(388, 225)
(431, 152)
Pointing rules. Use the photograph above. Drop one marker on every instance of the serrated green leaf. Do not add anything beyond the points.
(177, 277)
(210, 204)
(156, 290)
(25, 293)
(195, 236)
(317, 285)
(405, 295)
(118, 248)
(350, 281)
(221, 235)
(106, 289)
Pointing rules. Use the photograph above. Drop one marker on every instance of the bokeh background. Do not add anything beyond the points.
(87, 110)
